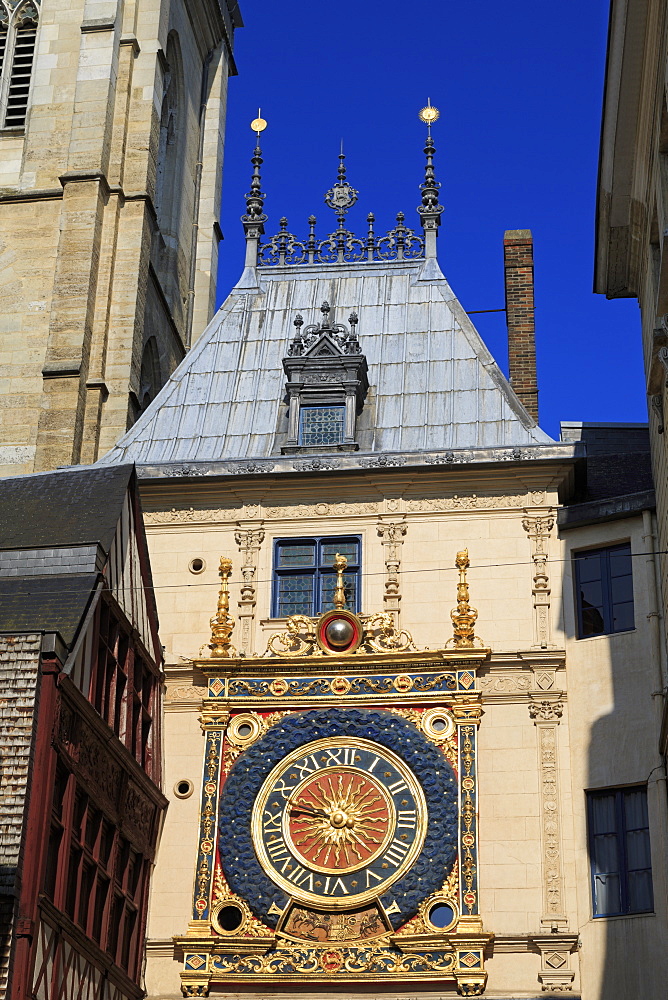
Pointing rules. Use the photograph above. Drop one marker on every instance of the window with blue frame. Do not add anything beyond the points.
(304, 580)
(604, 591)
(619, 851)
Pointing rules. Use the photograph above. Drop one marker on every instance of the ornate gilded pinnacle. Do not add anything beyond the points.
(463, 616)
(339, 564)
(430, 210)
(253, 219)
(222, 623)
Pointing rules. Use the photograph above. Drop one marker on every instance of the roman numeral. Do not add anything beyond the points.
(300, 875)
(273, 823)
(395, 853)
(398, 786)
(304, 770)
(344, 755)
(339, 885)
(277, 849)
(370, 875)
(285, 790)
(407, 819)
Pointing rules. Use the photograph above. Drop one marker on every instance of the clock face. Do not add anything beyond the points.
(336, 808)
(338, 821)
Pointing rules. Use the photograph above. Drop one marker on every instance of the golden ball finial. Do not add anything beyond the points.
(258, 124)
(429, 115)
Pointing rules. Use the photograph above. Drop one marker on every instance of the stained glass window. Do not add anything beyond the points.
(321, 425)
(304, 580)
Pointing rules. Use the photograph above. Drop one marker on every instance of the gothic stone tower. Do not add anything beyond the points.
(112, 116)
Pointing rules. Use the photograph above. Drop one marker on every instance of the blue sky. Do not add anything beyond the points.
(519, 87)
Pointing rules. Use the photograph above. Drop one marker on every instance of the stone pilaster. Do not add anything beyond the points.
(538, 530)
(546, 715)
(249, 541)
(392, 534)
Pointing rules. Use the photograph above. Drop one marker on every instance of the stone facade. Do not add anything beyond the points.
(109, 206)
(632, 215)
(559, 714)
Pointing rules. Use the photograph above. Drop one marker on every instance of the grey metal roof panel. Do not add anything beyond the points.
(434, 382)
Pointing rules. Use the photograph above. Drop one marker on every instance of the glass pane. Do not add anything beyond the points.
(635, 809)
(592, 619)
(606, 894)
(321, 424)
(297, 555)
(603, 814)
(605, 857)
(589, 568)
(621, 588)
(620, 562)
(622, 617)
(348, 549)
(640, 892)
(591, 594)
(328, 585)
(637, 850)
(295, 595)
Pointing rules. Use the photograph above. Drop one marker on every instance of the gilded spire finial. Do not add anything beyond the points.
(463, 616)
(253, 219)
(430, 210)
(339, 564)
(222, 623)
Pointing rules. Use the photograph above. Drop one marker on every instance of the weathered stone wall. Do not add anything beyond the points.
(78, 225)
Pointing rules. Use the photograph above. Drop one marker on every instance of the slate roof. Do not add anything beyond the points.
(434, 384)
(45, 604)
(62, 508)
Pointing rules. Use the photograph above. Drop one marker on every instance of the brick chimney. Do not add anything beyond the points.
(518, 273)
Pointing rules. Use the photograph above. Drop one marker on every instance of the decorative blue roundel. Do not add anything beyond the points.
(426, 874)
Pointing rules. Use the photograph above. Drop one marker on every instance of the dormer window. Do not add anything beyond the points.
(326, 385)
(321, 425)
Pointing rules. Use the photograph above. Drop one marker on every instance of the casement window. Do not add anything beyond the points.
(18, 34)
(304, 579)
(619, 850)
(94, 875)
(604, 591)
(123, 688)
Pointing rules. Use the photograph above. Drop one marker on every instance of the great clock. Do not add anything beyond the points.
(338, 821)
(337, 807)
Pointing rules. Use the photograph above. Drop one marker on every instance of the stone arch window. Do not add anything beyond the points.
(18, 34)
(169, 179)
(149, 378)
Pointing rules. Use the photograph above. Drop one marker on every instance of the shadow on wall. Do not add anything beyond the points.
(619, 795)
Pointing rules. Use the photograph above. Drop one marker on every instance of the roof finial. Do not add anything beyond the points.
(341, 196)
(430, 210)
(254, 218)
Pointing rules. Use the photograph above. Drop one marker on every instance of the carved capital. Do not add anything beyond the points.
(546, 711)
(392, 534)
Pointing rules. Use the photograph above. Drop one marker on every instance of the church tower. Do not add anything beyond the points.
(112, 115)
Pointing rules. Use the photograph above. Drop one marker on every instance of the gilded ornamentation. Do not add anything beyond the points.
(380, 636)
(222, 896)
(222, 623)
(468, 820)
(463, 616)
(205, 858)
(446, 742)
(538, 530)
(349, 962)
(392, 534)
